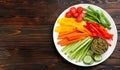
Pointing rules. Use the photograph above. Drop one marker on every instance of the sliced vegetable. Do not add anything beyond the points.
(79, 47)
(68, 15)
(79, 18)
(92, 9)
(90, 53)
(89, 19)
(97, 57)
(76, 13)
(79, 9)
(73, 10)
(81, 43)
(92, 15)
(98, 31)
(67, 48)
(97, 15)
(105, 18)
(73, 33)
(103, 22)
(88, 60)
(76, 36)
(65, 41)
(83, 52)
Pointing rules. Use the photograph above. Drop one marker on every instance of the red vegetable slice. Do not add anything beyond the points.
(79, 18)
(76, 14)
(73, 10)
(68, 15)
(79, 9)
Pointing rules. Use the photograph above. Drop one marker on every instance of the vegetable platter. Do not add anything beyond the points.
(85, 35)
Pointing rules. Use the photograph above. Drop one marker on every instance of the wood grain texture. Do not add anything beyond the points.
(26, 34)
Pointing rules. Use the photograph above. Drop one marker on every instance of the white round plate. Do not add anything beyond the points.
(106, 55)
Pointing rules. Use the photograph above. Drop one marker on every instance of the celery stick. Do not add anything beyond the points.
(79, 43)
(66, 47)
(71, 55)
(74, 56)
(84, 52)
(67, 50)
(77, 53)
(81, 52)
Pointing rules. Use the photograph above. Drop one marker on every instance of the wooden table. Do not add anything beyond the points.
(26, 34)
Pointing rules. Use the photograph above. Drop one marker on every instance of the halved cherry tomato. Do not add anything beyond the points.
(83, 14)
(79, 9)
(79, 18)
(76, 14)
(73, 10)
(68, 14)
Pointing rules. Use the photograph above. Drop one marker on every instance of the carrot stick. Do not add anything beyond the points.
(65, 33)
(76, 36)
(65, 41)
(65, 36)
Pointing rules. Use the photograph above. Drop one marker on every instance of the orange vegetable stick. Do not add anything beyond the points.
(65, 36)
(65, 33)
(65, 41)
(76, 36)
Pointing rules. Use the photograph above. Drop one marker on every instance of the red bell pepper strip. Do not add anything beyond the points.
(98, 30)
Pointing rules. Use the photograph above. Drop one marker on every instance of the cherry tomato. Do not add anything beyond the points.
(73, 10)
(79, 9)
(83, 14)
(76, 14)
(79, 18)
(68, 15)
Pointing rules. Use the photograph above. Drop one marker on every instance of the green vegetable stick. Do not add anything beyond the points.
(103, 22)
(79, 43)
(92, 15)
(92, 9)
(65, 51)
(105, 18)
(67, 46)
(81, 53)
(70, 56)
(89, 19)
(85, 51)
